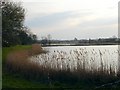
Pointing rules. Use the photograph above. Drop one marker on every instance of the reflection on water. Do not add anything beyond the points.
(75, 57)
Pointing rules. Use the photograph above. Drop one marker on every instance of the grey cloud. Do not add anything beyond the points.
(87, 29)
(99, 22)
(53, 19)
(49, 19)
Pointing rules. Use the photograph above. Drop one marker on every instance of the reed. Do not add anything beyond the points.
(78, 65)
(17, 62)
(74, 66)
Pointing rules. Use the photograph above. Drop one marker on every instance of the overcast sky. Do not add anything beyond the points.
(67, 19)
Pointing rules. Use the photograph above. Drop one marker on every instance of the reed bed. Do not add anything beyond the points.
(74, 66)
(79, 59)
(80, 64)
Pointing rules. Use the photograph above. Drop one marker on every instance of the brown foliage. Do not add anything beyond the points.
(18, 61)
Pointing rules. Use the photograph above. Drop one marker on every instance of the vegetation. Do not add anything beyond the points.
(80, 58)
(14, 32)
(18, 68)
(81, 42)
(15, 80)
(46, 40)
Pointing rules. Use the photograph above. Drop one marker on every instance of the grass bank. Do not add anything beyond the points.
(15, 80)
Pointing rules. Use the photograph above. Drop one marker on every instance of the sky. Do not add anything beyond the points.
(69, 19)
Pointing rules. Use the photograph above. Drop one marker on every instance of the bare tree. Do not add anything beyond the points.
(49, 37)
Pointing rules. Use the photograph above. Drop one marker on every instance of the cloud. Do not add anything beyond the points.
(66, 19)
(46, 7)
(48, 20)
(56, 18)
(67, 25)
(99, 22)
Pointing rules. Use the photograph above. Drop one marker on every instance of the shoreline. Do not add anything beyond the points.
(77, 45)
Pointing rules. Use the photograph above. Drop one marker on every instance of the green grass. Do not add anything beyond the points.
(15, 81)
(7, 50)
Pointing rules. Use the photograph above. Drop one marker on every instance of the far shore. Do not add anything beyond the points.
(76, 45)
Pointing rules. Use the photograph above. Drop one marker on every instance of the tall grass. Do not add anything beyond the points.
(61, 66)
(77, 59)
(17, 61)
(79, 64)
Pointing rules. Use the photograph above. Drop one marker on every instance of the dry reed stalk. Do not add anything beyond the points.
(18, 61)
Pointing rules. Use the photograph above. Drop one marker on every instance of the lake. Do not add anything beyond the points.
(75, 57)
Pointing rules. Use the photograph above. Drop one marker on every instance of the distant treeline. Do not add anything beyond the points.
(100, 41)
